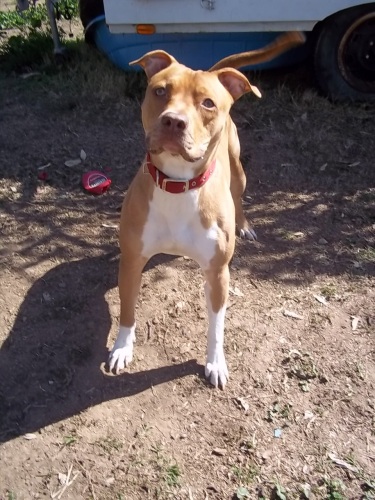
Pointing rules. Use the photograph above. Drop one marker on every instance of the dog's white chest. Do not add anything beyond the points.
(174, 227)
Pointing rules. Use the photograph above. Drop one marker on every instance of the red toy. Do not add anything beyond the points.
(96, 182)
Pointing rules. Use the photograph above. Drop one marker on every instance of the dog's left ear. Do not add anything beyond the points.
(236, 83)
(154, 61)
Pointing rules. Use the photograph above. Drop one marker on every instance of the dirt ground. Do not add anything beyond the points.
(297, 417)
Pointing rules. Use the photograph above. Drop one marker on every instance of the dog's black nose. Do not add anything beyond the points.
(174, 121)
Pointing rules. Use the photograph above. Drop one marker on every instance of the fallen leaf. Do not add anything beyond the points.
(242, 493)
(72, 163)
(308, 414)
(243, 404)
(355, 321)
(30, 436)
(321, 299)
(25, 76)
(83, 155)
(44, 166)
(110, 226)
(235, 291)
(342, 463)
(306, 490)
(292, 314)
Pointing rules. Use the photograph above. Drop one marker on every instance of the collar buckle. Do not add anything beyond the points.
(164, 186)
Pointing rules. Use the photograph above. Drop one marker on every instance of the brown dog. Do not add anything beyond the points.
(186, 198)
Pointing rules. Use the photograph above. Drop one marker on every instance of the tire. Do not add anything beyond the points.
(344, 56)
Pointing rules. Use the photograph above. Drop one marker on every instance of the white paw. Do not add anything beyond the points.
(248, 234)
(122, 353)
(216, 371)
(120, 358)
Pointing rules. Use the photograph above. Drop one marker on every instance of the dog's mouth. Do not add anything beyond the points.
(182, 146)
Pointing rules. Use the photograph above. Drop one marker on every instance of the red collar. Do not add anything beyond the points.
(173, 185)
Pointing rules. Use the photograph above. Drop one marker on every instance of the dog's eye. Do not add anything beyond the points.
(208, 103)
(160, 91)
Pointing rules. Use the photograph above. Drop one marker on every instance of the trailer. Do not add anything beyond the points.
(340, 35)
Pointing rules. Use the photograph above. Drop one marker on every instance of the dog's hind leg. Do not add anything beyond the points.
(238, 183)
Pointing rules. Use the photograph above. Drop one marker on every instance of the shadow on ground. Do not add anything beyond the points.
(52, 362)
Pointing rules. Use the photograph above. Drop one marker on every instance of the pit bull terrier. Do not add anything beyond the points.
(186, 198)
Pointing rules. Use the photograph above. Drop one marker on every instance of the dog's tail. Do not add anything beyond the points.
(282, 43)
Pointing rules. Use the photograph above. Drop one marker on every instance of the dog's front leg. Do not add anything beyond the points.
(216, 289)
(130, 274)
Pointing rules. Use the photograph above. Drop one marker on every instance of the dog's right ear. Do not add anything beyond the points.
(154, 61)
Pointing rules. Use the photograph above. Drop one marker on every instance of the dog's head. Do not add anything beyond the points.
(185, 111)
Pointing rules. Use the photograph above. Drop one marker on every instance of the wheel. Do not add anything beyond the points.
(344, 56)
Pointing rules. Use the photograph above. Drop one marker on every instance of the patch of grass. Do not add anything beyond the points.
(69, 440)
(366, 254)
(335, 489)
(172, 475)
(32, 48)
(37, 15)
(329, 291)
(110, 445)
(245, 475)
(11, 495)
(278, 411)
(32, 18)
(168, 472)
(22, 53)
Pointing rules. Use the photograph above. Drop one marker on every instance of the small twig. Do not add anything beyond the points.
(58, 494)
(149, 330)
(72, 132)
(88, 477)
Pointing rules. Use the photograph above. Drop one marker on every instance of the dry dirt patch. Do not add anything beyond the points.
(297, 418)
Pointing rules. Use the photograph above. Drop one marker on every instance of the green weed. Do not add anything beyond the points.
(32, 48)
(172, 475)
(109, 445)
(335, 489)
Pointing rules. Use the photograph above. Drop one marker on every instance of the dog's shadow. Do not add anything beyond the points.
(51, 364)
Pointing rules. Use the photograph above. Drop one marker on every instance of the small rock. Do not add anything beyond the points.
(185, 348)
(109, 481)
(322, 241)
(220, 452)
(266, 455)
